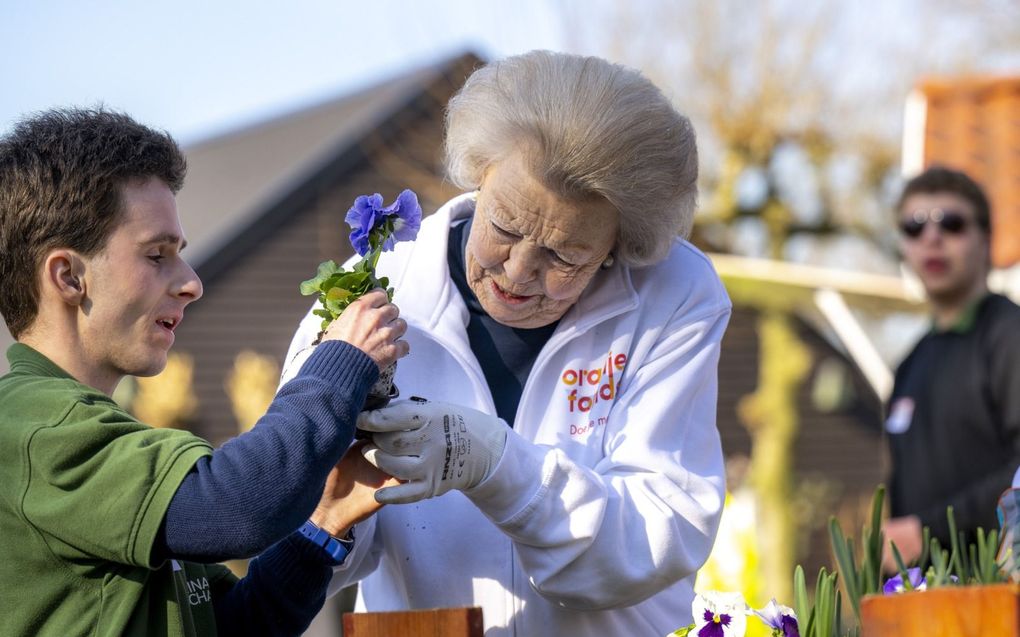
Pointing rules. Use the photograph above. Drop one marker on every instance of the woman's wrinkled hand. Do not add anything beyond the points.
(373, 325)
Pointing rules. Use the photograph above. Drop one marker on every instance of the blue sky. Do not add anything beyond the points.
(197, 68)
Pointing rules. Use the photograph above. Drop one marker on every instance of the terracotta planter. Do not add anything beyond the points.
(957, 611)
(437, 622)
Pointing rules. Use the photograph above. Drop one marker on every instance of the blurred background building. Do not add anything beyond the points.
(808, 118)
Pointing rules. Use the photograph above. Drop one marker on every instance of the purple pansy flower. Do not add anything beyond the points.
(895, 583)
(361, 218)
(715, 624)
(780, 618)
(368, 218)
(719, 614)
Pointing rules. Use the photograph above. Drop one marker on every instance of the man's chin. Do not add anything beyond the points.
(944, 293)
(150, 368)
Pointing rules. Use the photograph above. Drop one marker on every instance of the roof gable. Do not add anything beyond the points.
(234, 179)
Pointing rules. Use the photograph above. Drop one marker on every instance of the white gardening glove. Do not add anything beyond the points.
(435, 447)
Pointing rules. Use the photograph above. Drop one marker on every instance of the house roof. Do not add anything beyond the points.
(235, 178)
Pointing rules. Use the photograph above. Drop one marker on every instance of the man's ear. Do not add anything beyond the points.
(63, 273)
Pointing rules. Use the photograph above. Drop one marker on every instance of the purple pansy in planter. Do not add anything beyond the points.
(780, 618)
(368, 216)
(719, 614)
(895, 584)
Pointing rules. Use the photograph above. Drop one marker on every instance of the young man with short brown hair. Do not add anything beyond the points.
(110, 526)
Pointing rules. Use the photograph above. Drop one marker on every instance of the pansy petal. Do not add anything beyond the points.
(790, 627)
(408, 211)
(353, 218)
(716, 611)
(712, 629)
(895, 583)
(359, 240)
(363, 210)
(702, 610)
(770, 614)
(737, 625)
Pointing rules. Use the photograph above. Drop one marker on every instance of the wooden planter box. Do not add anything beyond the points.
(437, 622)
(957, 611)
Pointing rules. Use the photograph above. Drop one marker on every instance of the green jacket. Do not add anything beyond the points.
(84, 488)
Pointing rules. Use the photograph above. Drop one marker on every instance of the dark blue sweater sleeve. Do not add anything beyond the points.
(262, 485)
(283, 591)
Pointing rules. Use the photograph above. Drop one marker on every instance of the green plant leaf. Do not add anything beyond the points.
(335, 306)
(800, 597)
(901, 568)
(956, 556)
(826, 591)
(845, 560)
(338, 294)
(940, 565)
(838, 628)
(325, 270)
(353, 280)
(871, 580)
(922, 563)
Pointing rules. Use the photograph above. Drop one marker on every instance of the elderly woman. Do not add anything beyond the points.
(565, 470)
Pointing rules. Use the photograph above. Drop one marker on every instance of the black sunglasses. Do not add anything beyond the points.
(949, 221)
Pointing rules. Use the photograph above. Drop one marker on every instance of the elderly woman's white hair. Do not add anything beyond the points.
(588, 127)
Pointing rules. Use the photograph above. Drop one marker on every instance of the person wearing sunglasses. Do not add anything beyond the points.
(954, 416)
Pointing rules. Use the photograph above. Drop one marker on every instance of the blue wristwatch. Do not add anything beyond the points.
(337, 549)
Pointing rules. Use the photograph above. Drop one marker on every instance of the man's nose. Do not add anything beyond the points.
(190, 286)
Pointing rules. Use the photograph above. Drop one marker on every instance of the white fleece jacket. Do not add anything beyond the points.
(608, 496)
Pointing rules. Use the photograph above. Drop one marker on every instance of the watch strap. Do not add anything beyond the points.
(337, 549)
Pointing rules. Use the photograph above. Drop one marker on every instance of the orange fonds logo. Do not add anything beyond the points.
(589, 386)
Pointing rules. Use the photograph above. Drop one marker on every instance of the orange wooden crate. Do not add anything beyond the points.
(956, 611)
(436, 622)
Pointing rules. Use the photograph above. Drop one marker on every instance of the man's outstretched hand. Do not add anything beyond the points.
(349, 494)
